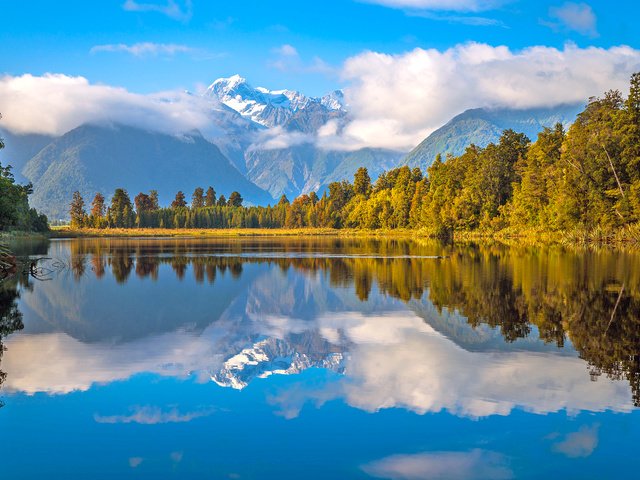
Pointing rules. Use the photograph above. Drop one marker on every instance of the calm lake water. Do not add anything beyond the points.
(319, 359)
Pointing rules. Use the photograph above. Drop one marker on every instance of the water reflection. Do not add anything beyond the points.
(10, 316)
(475, 330)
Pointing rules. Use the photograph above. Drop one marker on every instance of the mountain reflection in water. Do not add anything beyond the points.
(475, 330)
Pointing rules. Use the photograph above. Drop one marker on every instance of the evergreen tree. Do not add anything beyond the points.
(14, 204)
(97, 206)
(97, 211)
(77, 211)
(179, 201)
(362, 182)
(235, 200)
(197, 199)
(210, 198)
(153, 198)
(283, 200)
(121, 211)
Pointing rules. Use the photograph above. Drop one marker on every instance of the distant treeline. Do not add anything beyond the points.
(586, 178)
(15, 213)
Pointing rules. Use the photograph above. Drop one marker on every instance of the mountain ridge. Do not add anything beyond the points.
(481, 126)
(93, 158)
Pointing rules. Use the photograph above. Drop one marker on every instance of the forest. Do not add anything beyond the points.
(586, 179)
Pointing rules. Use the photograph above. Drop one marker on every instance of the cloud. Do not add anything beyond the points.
(443, 5)
(181, 11)
(399, 361)
(143, 49)
(135, 462)
(471, 20)
(579, 444)
(578, 17)
(53, 104)
(150, 415)
(62, 364)
(287, 59)
(286, 51)
(395, 101)
(475, 464)
(394, 360)
(277, 138)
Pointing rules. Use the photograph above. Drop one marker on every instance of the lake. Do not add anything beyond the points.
(319, 358)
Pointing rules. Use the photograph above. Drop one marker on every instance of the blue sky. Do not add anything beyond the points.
(217, 38)
(406, 66)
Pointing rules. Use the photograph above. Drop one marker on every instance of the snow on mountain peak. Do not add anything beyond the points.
(266, 107)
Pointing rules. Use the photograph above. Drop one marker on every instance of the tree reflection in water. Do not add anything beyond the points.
(591, 297)
(10, 315)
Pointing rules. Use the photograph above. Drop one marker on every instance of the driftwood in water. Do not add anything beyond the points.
(8, 263)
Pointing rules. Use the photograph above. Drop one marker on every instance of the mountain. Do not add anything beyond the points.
(94, 159)
(302, 167)
(270, 108)
(482, 126)
(19, 149)
(305, 168)
(235, 150)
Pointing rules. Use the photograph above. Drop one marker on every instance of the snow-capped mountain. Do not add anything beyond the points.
(269, 108)
(274, 356)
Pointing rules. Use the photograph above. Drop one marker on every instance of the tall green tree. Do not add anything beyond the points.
(235, 199)
(210, 198)
(77, 211)
(121, 211)
(362, 182)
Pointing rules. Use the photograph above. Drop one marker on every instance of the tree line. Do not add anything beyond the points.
(584, 178)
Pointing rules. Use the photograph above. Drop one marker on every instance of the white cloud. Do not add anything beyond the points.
(278, 138)
(579, 444)
(444, 5)
(286, 51)
(54, 104)
(395, 360)
(57, 363)
(181, 11)
(135, 462)
(397, 100)
(472, 20)
(398, 361)
(475, 464)
(578, 17)
(394, 101)
(151, 415)
(288, 59)
(143, 48)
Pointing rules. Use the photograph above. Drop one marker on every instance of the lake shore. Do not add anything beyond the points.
(66, 232)
(620, 238)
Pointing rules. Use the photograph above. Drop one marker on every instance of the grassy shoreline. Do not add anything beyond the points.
(621, 238)
(66, 232)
